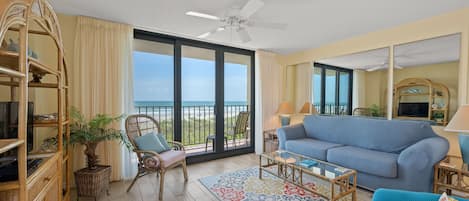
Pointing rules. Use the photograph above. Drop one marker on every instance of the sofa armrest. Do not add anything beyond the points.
(383, 194)
(424, 153)
(289, 133)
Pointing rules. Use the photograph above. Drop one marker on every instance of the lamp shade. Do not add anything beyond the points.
(460, 121)
(308, 109)
(285, 108)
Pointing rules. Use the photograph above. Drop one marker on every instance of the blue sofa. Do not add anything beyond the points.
(399, 195)
(386, 153)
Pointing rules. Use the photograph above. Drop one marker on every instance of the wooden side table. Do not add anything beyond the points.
(270, 140)
(452, 176)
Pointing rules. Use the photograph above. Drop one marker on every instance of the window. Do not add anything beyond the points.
(332, 89)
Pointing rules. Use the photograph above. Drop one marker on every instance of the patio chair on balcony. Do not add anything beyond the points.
(240, 128)
(150, 161)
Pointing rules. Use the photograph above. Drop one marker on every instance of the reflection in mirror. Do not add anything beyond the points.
(359, 86)
(426, 79)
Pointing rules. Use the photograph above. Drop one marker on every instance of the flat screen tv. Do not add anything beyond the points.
(9, 122)
(413, 109)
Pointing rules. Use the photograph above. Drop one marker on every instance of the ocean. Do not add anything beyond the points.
(185, 103)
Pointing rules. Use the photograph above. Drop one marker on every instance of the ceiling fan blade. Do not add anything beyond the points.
(243, 35)
(251, 7)
(375, 68)
(207, 34)
(268, 25)
(202, 15)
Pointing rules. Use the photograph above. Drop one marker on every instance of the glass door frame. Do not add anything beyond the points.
(338, 70)
(220, 50)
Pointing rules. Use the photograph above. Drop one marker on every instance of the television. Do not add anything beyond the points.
(413, 109)
(9, 122)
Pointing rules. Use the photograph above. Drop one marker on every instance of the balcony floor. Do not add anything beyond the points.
(200, 148)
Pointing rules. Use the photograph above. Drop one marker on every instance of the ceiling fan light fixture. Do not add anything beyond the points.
(220, 28)
(204, 35)
(202, 15)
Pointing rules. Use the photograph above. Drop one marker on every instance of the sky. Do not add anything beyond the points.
(154, 79)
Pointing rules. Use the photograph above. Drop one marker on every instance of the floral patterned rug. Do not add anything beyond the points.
(245, 185)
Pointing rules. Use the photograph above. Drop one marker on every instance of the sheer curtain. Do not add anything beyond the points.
(100, 80)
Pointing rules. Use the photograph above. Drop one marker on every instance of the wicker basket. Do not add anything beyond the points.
(91, 183)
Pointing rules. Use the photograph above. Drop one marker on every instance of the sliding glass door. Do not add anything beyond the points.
(154, 82)
(332, 89)
(198, 98)
(237, 106)
(201, 93)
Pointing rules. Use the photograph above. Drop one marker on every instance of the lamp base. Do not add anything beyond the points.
(464, 145)
(284, 120)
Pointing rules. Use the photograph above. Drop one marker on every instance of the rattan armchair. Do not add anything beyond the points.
(149, 161)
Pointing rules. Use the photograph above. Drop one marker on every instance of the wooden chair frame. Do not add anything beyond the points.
(149, 161)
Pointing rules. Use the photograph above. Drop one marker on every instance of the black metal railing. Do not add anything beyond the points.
(332, 109)
(198, 121)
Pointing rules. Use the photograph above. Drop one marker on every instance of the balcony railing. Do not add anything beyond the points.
(332, 109)
(198, 121)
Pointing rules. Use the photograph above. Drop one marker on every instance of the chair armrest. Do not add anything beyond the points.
(149, 159)
(289, 133)
(424, 153)
(177, 145)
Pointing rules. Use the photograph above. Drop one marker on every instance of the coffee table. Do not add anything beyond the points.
(293, 168)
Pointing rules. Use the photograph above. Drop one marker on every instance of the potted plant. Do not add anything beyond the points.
(375, 111)
(438, 116)
(93, 179)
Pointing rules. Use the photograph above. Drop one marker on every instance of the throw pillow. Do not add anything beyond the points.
(444, 197)
(150, 142)
(163, 141)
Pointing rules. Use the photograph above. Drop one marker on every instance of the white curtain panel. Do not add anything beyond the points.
(101, 81)
(269, 85)
(303, 80)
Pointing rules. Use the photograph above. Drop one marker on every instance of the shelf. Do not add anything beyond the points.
(31, 84)
(11, 72)
(422, 94)
(10, 60)
(39, 124)
(8, 144)
(9, 185)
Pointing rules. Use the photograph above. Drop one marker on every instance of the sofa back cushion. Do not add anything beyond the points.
(376, 134)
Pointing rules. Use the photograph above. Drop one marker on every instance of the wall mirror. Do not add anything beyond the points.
(426, 79)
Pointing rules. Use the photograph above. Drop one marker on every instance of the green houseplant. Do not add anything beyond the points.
(376, 111)
(438, 116)
(90, 133)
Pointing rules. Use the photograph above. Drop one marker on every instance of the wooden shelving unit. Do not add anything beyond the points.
(50, 179)
(424, 91)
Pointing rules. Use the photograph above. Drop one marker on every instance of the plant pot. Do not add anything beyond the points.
(93, 182)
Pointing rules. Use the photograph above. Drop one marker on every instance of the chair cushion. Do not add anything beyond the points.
(172, 156)
(163, 141)
(310, 147)
(364, 160)
(150, 142)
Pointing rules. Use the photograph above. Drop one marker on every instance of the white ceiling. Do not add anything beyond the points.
(311, 23)
(431, 51)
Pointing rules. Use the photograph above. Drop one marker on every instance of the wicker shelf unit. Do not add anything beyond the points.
(50, 180)
(422, 90)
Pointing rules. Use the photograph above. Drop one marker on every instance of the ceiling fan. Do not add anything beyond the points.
(238, 20)
(380, 66)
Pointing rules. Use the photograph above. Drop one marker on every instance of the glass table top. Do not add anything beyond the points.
(308, 164)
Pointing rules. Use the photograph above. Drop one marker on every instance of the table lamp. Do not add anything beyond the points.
(284, 111)
(460, 124)
(307, 109)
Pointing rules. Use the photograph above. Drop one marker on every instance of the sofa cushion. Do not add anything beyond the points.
(310, 147)
(376, 134)
(364, 160)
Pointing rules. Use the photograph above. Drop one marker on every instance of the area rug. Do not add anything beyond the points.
(245, 185)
